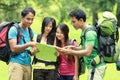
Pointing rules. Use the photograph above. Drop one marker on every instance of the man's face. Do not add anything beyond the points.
(76, 23)
(28, 19)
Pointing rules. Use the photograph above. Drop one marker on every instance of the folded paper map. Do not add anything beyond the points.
(46, 52)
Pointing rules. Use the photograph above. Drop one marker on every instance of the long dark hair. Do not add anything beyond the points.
(51, 35)
(65, 30)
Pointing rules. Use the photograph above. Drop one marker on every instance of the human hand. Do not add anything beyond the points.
(34, 50)
(75, 77)
(57, 53)
(32, 44)
(63, 50)
(59, 49)
(69, 47)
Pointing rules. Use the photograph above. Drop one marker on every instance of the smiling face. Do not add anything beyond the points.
(62, 34)
(59, 34)
(48, 28)
(28, 19)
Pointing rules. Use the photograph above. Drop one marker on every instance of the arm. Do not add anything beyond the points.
(12, 36)
(86, 52)
(78, 48)
(76, 76)
(18, 48)
(91, 38)
(73, 47)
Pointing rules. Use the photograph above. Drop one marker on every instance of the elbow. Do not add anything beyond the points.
(88, 54)
(13, 50)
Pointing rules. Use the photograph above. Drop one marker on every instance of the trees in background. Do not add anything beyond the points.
(118, 12)
(10, 9)
(96, 6)
(59, 9)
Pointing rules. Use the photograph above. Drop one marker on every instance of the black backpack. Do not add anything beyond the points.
(5, 52)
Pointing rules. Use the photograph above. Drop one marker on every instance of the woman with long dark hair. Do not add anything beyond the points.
(68, 64)
(47, 36)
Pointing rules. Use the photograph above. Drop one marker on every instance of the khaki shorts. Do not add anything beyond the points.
(99, 73)
(19, 72)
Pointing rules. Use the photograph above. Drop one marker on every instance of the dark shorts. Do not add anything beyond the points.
(43, 74)
(62, 77)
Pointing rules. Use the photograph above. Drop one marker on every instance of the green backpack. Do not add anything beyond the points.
(107, 32)
(108, 37)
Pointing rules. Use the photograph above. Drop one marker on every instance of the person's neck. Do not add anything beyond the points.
(45, 35)
(84, 26)
(22, 25)
(63, 43)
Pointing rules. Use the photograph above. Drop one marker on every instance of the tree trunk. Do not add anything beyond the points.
(95, 18)
(118, 13)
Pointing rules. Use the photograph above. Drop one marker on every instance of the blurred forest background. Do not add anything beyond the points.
(58, 9)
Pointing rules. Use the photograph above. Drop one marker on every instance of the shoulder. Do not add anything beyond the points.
(12, 32)
(91, 30)
(91, 33)
(13, 29)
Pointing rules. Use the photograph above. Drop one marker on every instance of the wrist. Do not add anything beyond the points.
(29, 44)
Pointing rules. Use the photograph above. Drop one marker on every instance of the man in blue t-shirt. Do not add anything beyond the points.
(20, 61)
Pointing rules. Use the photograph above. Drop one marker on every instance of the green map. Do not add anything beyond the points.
(46, 52)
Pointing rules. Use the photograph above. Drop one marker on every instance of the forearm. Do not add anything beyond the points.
(86, 52)
(79, 52)
(78, 48)
(76, 65)
(19, 48)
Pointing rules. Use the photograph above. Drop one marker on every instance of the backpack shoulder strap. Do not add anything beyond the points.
(38, 38)
(86, 30)
(89, 29)
(30, 32)
(84, 35)
(19, 34)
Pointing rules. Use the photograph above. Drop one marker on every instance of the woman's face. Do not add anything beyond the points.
(59, 34)
(48, 28)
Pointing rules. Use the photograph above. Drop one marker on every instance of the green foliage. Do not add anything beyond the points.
(58, 9)
(10, 10)
(106, 4)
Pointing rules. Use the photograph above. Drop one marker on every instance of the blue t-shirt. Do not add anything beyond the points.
(22, 57)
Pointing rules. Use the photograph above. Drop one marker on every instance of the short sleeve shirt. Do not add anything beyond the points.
(90, 39)
(22, 57)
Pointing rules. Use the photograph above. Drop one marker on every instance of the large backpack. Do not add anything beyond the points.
(107, 32)
(108, 37)
(5, 52)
